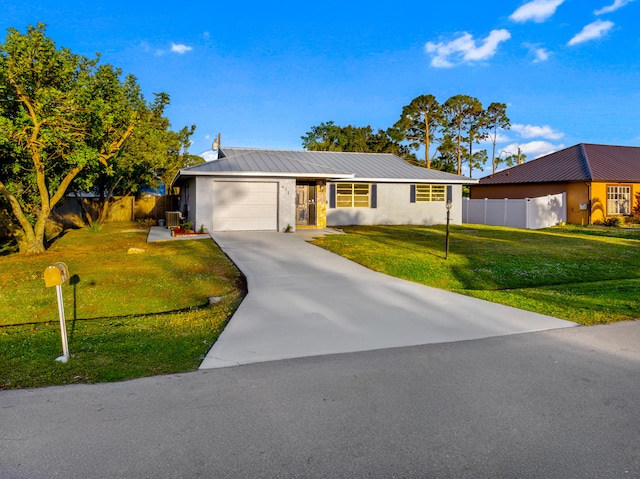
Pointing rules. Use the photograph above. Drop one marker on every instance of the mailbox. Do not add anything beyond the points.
(584, 206)
(56, 275)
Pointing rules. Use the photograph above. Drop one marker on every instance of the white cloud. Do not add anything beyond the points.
(532, 131)
(613, 7)
(536, 10)
(533, 149)
(180, 49)
(540, 54)
(593, 31)
(465, 49)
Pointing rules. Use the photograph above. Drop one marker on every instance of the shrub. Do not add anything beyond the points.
(612, 221)
(148, 222)
(636, 209)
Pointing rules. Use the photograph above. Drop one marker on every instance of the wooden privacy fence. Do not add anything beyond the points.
(530, 213)
(121, 208)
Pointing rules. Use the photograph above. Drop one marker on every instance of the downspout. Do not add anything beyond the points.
(589, 203)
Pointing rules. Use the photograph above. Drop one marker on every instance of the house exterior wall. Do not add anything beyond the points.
(599, 197)
(204, 188)
(394, 207)
(577, 194)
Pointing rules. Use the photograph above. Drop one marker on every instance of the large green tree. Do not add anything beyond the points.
(152, 155)
(418, 124)
(455, 113)
(331, 137)
(446, 157)
(60, 114)
(475, 123)
(496, 119)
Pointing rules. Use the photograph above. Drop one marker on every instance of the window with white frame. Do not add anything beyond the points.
(430, 193)
(353, 195)
(618, 200)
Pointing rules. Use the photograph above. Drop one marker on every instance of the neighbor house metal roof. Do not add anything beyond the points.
(318, 164)
(582, 162)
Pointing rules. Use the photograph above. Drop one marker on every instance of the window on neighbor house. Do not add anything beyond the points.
(618, 200)
(430, 193)
(353, 195)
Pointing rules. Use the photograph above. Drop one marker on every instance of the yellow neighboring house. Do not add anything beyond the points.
(600, 181)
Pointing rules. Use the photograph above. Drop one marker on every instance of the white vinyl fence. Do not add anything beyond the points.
(530, 213)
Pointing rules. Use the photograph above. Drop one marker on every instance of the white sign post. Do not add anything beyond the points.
(56, 275)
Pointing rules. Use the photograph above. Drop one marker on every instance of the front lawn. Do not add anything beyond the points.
(128, 314)
(586, 275)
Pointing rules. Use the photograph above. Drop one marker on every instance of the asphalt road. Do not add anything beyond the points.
(555, 404)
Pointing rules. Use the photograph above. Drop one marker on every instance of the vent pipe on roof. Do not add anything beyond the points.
(216, 148)
(216, 143)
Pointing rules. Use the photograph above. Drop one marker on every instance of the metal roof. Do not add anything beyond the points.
(382, 167)
(582, 162)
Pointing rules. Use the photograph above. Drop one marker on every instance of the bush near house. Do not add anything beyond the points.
(636, 208)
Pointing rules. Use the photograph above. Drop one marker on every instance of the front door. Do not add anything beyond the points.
(305, 204)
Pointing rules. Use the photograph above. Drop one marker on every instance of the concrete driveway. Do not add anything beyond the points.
(305, 301)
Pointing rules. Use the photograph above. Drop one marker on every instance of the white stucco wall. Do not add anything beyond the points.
(287, 204)
(204, 193)
(393, 204)
(394, 207)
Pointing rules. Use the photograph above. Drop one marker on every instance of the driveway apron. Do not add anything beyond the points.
(306, 301)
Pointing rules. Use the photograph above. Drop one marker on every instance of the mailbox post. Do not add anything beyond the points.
(57, 275)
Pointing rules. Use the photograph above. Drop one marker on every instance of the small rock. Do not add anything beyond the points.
(135, 251)
(214, 299)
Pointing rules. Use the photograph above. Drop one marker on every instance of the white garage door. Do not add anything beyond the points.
(245, 206)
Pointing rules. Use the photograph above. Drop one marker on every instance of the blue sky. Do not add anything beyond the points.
(262, 75)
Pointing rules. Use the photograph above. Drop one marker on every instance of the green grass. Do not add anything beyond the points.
(586, 275)
(128, 315)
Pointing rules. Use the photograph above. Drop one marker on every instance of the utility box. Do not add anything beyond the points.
(56, 275)
(584, 206)
(173, 219)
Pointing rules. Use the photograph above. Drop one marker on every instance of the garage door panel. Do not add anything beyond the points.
(251, 206)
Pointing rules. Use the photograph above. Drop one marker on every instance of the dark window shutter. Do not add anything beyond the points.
(374, 195)
(332, 195)
(412, 195)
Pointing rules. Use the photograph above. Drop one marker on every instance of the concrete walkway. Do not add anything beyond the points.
(161, 233)
(306, 301)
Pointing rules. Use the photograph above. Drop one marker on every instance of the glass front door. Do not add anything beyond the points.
(305, 204)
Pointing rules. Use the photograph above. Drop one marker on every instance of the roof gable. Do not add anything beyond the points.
(582, 162)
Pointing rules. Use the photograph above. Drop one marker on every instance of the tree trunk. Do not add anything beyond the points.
(493, 152)
(471, 159)
(104, 211)
(427, 144)
(30, 239)
(459, 153)
(36, 245)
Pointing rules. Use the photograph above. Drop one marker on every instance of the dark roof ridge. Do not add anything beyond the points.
(306, 151)
(585, 159)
